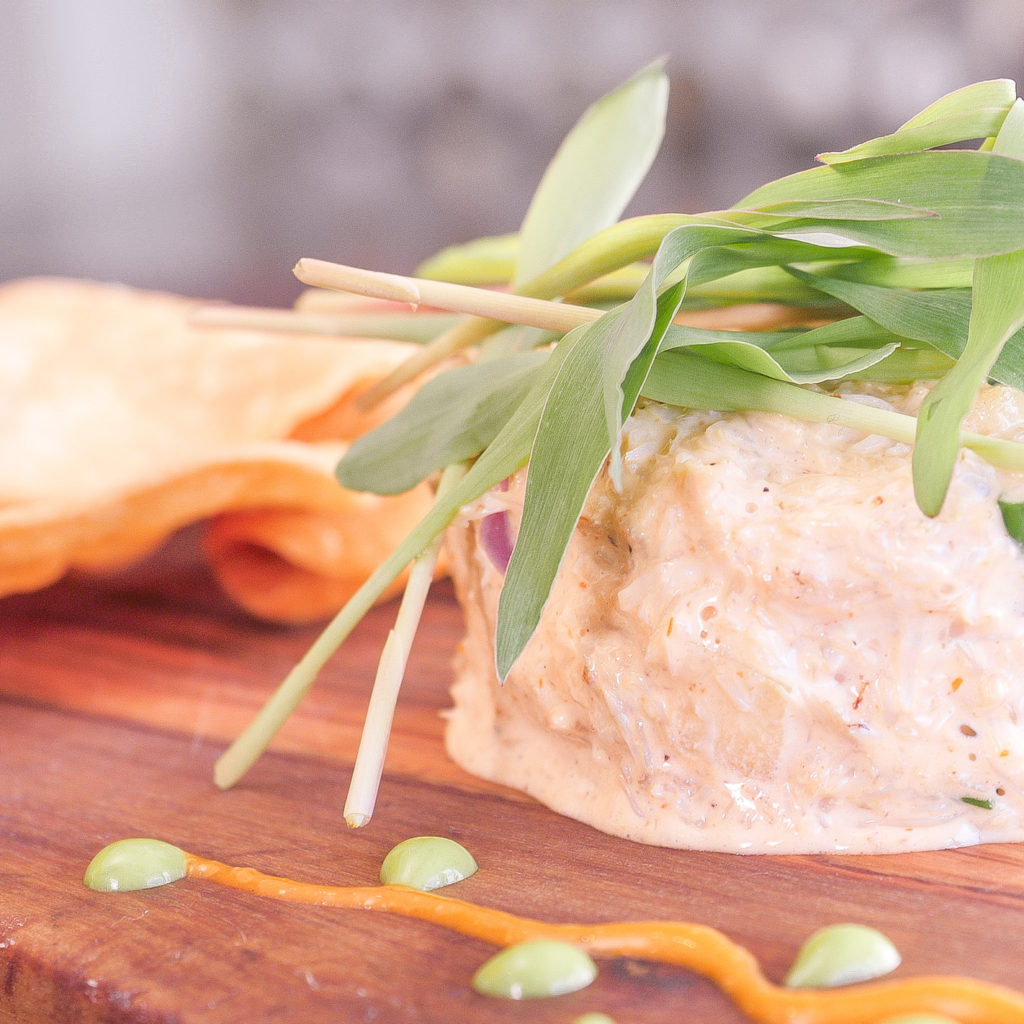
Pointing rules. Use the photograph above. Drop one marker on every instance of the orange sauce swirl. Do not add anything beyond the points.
(698, 948)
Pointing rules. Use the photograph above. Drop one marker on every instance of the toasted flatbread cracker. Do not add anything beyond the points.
(120, 422)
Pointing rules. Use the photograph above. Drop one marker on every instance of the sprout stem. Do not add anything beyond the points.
(485, 305)
(396, 326)
(373, 744)
(459, 298)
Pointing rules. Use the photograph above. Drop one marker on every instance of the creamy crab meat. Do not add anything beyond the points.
(761, 645)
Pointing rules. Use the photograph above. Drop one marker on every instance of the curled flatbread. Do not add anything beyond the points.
(122, 422)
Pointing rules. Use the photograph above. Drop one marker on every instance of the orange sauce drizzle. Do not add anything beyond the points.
(695, 947)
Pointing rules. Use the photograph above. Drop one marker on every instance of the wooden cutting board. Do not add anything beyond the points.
(119, 693)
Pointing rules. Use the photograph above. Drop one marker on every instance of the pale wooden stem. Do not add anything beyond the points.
(373, 744)
(458, 298)
(380, 712)
(357, 322)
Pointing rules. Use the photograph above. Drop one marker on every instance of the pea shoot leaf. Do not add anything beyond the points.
(570, 448)
(974, 112)
(974, 196)
(808, 357)
(997, 311)
(595, 173)
(1013, 518)
(939, 317)
(451, 418)
(845, 210)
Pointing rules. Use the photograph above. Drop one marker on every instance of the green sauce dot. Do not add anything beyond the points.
(842, 954)
(427, 862)
(918, 1018)
(534, 970)
(135, 864)
(594, 1018)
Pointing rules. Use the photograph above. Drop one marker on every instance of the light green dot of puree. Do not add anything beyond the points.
(842, 954)
(534, 970)
(135, 864)
(918, 1018)
(427, 862)
(594, 1018)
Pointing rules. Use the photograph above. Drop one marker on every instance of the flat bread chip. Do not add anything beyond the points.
(122, 423)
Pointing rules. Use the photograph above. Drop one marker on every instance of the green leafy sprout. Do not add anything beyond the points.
(904, 257)
(974, 801)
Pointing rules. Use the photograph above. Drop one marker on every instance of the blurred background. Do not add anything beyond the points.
(202, 146)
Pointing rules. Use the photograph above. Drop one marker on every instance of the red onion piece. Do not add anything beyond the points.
(496, 539)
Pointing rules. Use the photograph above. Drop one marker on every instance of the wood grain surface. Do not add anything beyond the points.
(118, 695)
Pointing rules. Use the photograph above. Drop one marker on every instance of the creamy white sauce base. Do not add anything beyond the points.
(761, 644)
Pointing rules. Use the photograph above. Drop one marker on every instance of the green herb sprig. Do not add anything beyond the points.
(904, 255)
(974, 801)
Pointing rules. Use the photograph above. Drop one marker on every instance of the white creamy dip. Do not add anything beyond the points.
(762, 645)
